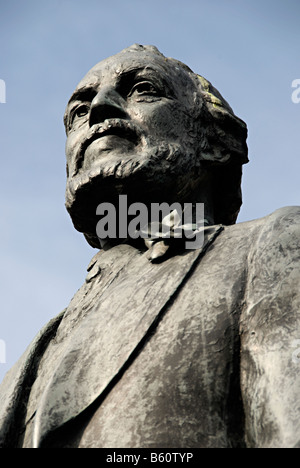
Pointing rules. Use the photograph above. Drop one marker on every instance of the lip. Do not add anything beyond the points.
(119, 127)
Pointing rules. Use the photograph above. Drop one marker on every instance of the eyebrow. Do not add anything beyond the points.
(82, 94)
(140, 72)
(87, 93)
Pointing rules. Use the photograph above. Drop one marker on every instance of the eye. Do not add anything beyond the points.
(78, 115)
(144, 88)
(80, 111)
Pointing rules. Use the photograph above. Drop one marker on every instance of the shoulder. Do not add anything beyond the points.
(284, 217)
(281, 227)
(273, 238)
(275, 250)
(20, 377)
(32, 352)
(282, 223)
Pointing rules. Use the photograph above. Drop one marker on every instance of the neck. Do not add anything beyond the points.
(198, 210)
(200, 192)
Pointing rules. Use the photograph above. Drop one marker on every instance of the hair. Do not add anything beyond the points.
(222, 143)
(225, 147)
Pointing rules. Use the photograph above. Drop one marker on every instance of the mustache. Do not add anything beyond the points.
(145, 166)
(116, 126)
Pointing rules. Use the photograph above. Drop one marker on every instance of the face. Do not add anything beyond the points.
(131, 128)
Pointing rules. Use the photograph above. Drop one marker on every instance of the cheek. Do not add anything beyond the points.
(163, 120)
(69, 148)
(72, 146)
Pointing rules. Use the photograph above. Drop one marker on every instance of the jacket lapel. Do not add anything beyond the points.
(109, 337)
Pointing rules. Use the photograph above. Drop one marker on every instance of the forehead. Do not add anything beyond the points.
(112, 68)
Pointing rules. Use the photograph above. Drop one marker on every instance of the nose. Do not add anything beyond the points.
(107, 104)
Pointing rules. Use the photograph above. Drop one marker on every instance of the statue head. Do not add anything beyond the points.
(146, 126)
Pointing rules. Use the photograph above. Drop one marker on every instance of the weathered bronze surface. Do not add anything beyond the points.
(196, 349)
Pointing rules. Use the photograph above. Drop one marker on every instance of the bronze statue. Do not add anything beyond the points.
(164, 346)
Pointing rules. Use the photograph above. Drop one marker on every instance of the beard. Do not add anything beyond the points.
(162, 173)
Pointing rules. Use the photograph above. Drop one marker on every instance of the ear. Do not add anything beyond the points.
(224, 134)
(211, 94)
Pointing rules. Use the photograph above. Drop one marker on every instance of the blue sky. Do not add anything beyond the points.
(248, 49)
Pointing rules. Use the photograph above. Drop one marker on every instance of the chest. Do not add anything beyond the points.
(182, 388)
(177, 383)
